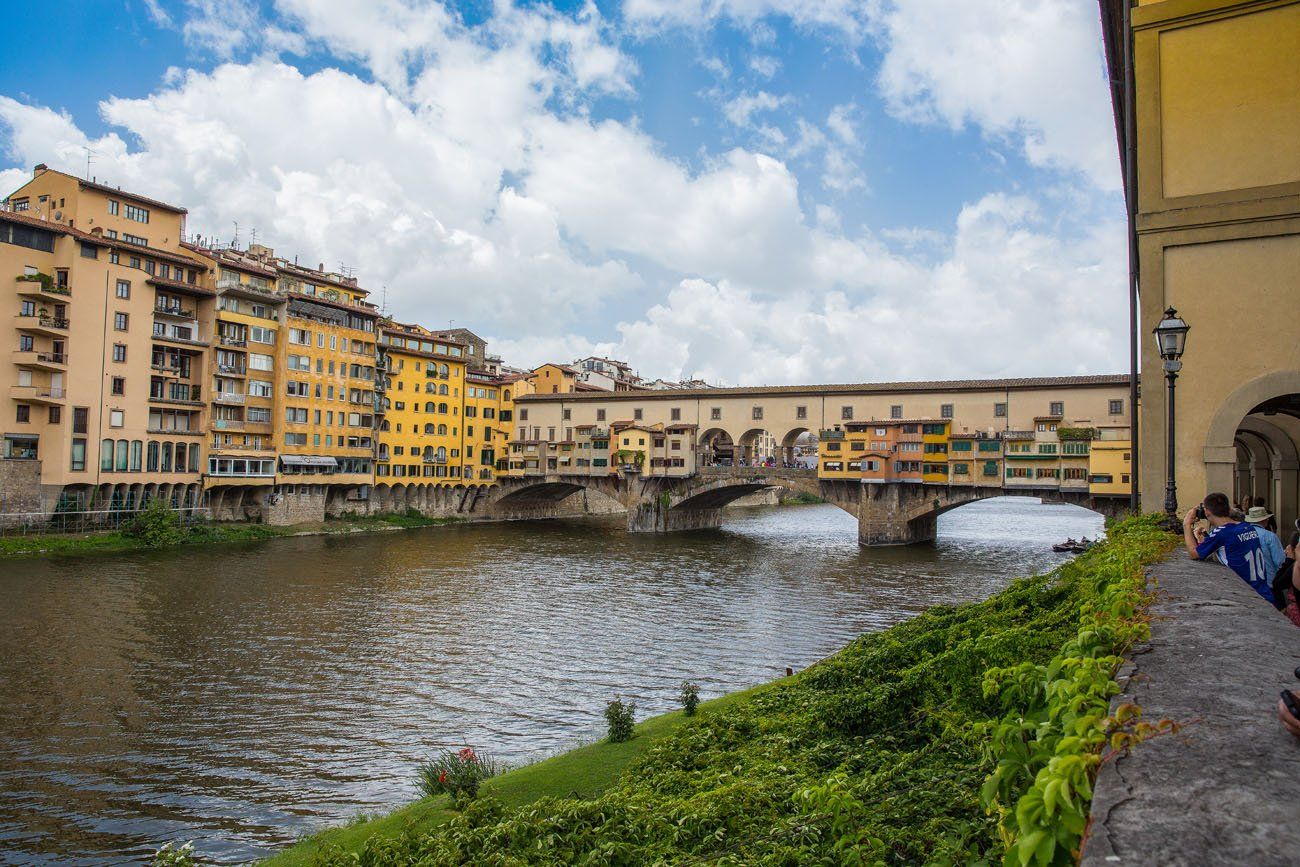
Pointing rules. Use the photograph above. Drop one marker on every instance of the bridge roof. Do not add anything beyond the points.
(952, 385)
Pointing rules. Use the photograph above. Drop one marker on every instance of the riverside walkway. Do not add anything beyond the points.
(1226, 790)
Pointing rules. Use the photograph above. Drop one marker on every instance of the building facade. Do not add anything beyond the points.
(1214, 187)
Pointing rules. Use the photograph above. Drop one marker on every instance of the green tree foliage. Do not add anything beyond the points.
(621, 717)
(966, 735)
(157, 526)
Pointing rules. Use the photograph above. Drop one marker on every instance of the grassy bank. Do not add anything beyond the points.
(968, 734)
(203, 534)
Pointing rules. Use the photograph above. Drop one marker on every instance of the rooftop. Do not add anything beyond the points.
(965, 385)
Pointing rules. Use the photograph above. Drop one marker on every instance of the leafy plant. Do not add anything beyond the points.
(46, 281)
(1076, 433)
(621, 717)
(156, 526)
(690, 697)
(458, 773)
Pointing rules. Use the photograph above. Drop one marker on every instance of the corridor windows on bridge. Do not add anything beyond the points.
(567, 414)
(896, 411)
(846, 413)
(637, 415)
(801, 412)
(1056, 407)
(675, 414)
(999, 410)
(945, 410)
(715, 413)
(1117, 407)
(600, 415)
(756, 413)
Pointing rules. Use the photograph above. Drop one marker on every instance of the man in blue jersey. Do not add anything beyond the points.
(1234, 544)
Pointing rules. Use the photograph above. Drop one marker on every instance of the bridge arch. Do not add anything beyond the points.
(716, 446)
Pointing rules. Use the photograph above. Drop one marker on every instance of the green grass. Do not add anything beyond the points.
(584, 772)
(206, 534)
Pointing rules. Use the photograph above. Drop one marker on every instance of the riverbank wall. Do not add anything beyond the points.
(1225, 790)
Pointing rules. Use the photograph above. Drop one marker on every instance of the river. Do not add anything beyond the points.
(240, 696)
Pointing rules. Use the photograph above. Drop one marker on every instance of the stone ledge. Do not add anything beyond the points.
(1225, 791)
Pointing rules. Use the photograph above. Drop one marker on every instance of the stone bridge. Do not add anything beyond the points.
(892, 513)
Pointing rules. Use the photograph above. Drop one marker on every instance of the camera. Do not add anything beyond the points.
(1200, 512)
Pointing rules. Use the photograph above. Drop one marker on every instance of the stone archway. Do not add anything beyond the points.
(716, 447)
(1259, 422)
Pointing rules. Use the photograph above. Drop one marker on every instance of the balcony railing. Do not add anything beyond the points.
(234, 397)
(434, 459)
(239, 342)
(175, 310)
(44, 320)
(30, 356)
(40, 283)
(228, 423)
(233, 369)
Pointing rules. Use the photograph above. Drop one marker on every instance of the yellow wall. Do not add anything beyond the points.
(1111, 458)
(424, 416)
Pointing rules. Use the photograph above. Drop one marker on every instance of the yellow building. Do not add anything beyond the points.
(833, 450)
(1110, 461)
(110, 332)
(1214, 188)
(554, 379)
(934, 451)
(423, 436)
(486, 433)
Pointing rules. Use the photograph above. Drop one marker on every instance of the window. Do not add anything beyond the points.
(945, 410)
(636, 414)
(78, 462)
(24, 413)
(1117, 407)
(80, 419)
(257, 361)
(106, 455)
(258, 334)
(960, 469)
(1000, 410)
(116, 418)
(1057, 407)
(846, 412)
(114, 208)
(139, 215)
(896, 411)
(676, 414)
(135, 239)
(756, 413)
(600, 415)
(568, 413)
(715, 413)
(523, 414)
(120, 321)
(118, 385)
(88, 252)
(119, 352)
(123, 288)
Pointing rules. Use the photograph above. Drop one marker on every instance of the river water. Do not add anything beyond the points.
(241, 696)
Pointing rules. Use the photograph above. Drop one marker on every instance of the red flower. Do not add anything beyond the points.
(442, 777)
(466, 755)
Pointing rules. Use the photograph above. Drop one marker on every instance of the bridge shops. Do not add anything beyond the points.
(673, 459)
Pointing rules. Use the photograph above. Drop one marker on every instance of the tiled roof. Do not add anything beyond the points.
(97, 240)
(953, 385)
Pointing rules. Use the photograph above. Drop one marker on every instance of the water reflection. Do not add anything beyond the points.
(241, 696)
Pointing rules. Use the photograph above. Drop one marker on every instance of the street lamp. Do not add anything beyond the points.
(1171, 339)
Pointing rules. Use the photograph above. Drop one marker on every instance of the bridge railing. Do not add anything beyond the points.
(756, 472)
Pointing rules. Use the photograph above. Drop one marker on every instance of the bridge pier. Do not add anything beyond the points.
(656, 517)
(884, 515)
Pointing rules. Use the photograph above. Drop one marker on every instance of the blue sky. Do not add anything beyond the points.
(741, 189)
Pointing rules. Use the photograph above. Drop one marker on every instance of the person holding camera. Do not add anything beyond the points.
(1233, 543)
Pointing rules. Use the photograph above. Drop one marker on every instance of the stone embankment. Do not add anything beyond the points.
(1226, 790)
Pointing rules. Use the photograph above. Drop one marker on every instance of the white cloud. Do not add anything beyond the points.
(847, 18)
(765, 65)
(465, 174)
(1025, 71)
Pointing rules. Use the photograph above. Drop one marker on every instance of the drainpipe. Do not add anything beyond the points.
(1130, 201)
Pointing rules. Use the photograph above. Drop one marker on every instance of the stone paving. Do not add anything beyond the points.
(1227, 789)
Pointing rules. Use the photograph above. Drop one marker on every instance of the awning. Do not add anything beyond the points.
(308, 461)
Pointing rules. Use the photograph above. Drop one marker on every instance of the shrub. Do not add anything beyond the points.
(171, 855)
(458, 773)
(621, 717)
(412, 512)
(157, 526)
(690, 697)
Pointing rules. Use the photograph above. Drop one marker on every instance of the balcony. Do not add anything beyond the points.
(35, 287)
(41, 394)
(181, 397)
(434, 459)
(175, 311)
(165, 337)
(237, 342)
(177, 432)
(34, 360)
(230, 398)
(228, 424)
(54, 326)
(232, 370)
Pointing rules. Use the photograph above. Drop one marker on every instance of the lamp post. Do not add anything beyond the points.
(1171, 339)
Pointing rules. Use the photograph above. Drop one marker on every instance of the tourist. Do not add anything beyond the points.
(1289, 720)
(1271, 523)
(1285, 596)
(1274, 556)
(1232, 543)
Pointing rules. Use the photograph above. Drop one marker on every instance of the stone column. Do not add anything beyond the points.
(882, 515)
(656, 516)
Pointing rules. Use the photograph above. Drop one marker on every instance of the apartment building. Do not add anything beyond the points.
(110, 334)
(422, 436)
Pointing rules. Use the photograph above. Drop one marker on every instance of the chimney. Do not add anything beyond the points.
(39, 170)
(321, 267)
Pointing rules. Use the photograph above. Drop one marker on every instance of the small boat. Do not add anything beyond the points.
(1066, 547)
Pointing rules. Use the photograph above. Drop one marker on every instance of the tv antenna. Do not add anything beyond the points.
(90, 155)
(234, 245)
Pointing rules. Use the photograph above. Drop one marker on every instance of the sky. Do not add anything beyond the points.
(748, 191)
